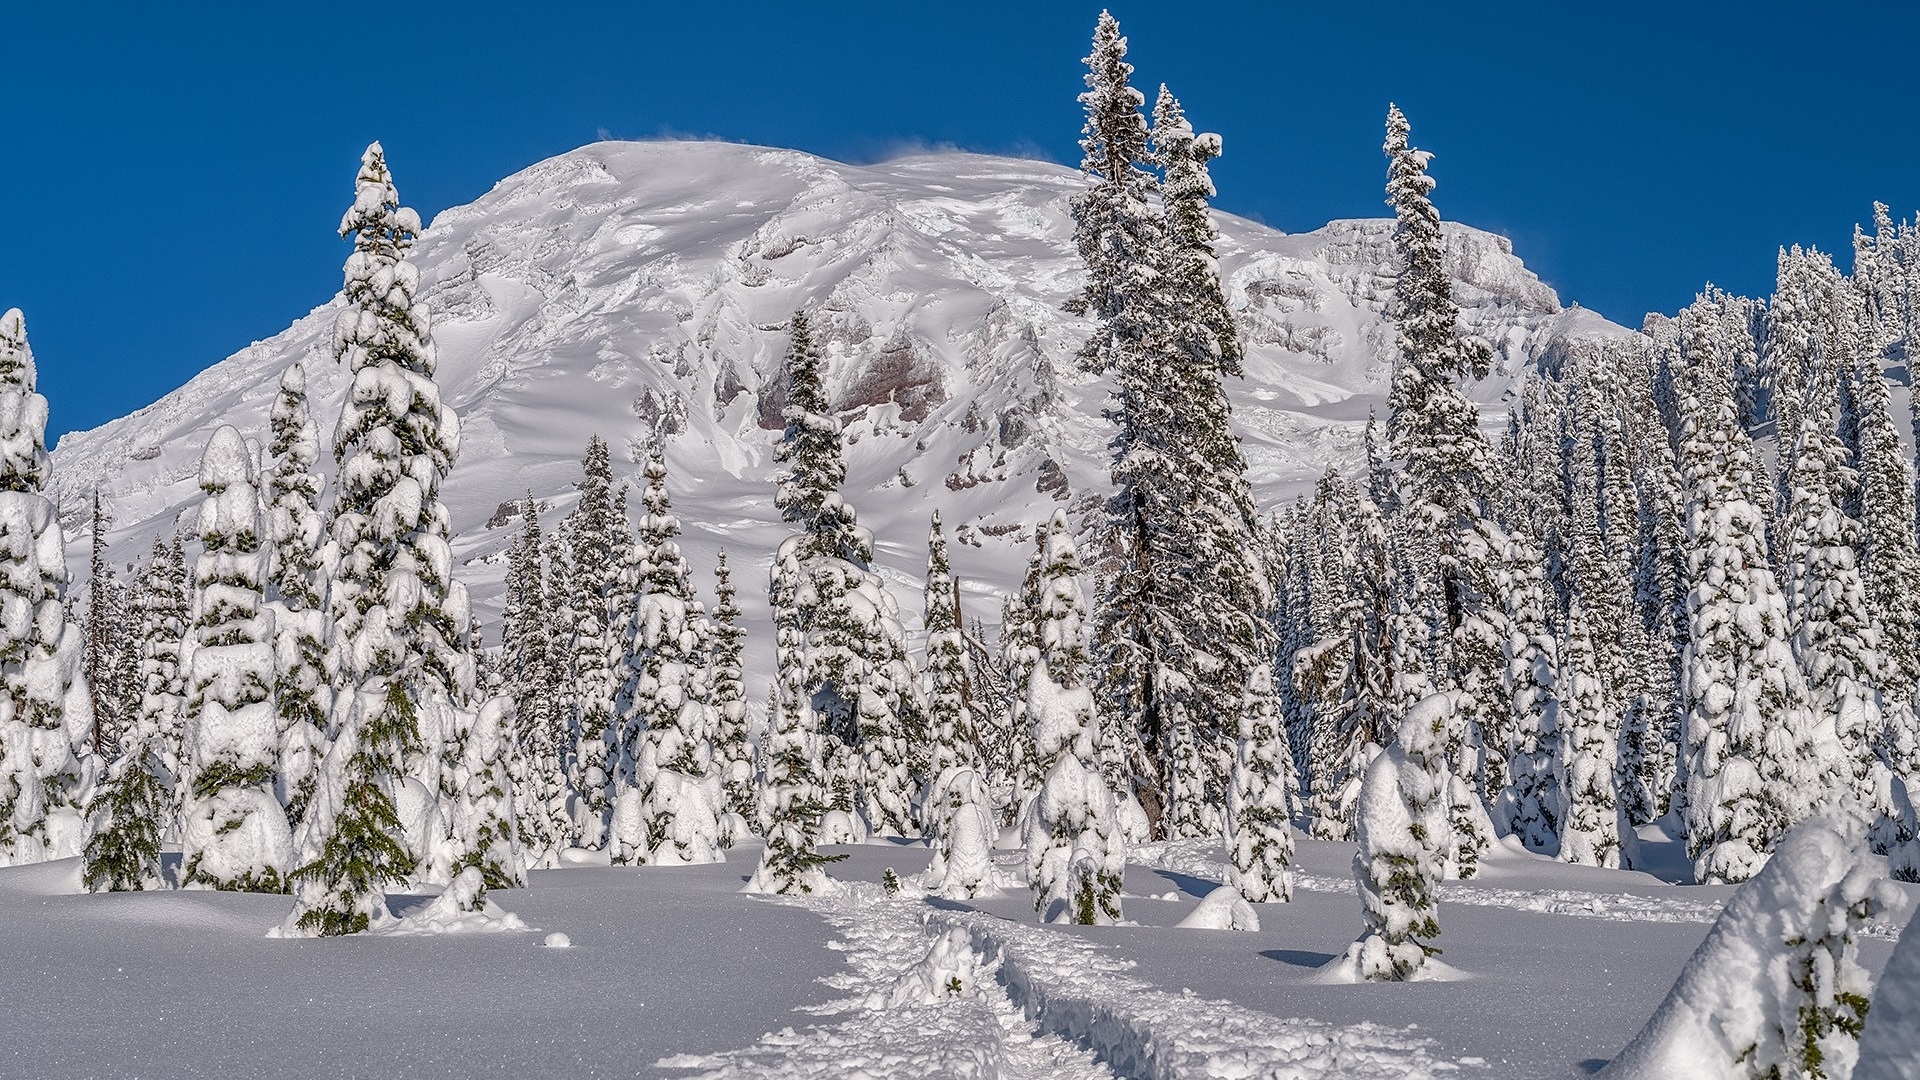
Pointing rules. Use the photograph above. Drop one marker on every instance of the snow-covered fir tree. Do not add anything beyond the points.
(667, 793)
(105, 619)
(1750, 767)
(727, 693)
(857, 671)
(1012, 769)
(1592, 833)
(297, 595)
(1533, 806)
(1445, 470)
(400, 624)
(1259, 834)
(162, 628)
(598, 545)
(49, 769)
(234, 833)
(482, 817)
(1075, 853)
(949, 718)
(1402, 828)
(1212, 574)
(1833, 631)
(540, 786)
(793, 795)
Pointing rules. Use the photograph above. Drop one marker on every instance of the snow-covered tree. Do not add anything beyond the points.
(1777, 990)
(961, 829)
(1402, 827)
(949, 718)
(1075, 854)
(234, 833)
(732, 748)
(400, 624)
(1533, 806)
(666, 792)
(1751, 766)
(857, 672)
(1592, 833)
(482, 818)
(527, 630)
(793, 793)
(598, 546)
(1259, 835)
(162, 628)
(1013, 773)
(297, 595)
(47, 765)
(105, 619)
(126, 817)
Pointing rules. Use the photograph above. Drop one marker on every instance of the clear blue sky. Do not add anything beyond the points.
(173, 173)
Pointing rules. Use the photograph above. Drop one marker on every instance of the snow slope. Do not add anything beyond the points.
(629, 288)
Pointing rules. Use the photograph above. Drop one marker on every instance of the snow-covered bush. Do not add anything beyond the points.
(1402, 827)
(1775, 992)
(959, 815)
(1075, 855)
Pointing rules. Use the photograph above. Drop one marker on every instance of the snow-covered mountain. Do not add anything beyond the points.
(635, 289)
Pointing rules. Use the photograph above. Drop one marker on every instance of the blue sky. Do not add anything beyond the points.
(173, 177)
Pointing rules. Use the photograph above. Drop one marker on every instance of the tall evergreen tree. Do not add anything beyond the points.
(162, 629)
(297, 595)
(400, 630)
(527, 631)
(105, 600)
(859, 678)
(1533, 806)
(234, 833)
(793, 787)
(1446, 473)
(1592, 834)
(1746, 701)
(597, 544)
(47, 767)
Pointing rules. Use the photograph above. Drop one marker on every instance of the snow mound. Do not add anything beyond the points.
(1736, 1010)
(1222, 909)
(1347, 969)
(1888, 1048)
(461, 909)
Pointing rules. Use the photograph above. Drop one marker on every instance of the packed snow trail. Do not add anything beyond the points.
(950, 993)
(922, 1006)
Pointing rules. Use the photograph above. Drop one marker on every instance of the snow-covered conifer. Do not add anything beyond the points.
(1402, 827)
(732, 749)
(1533, 807)
(597, 547)
(297, 595)
(855, 655)
(1777, 989)
(1075, 854)
(234, 833)
(1259, 835)
(793, 792)
(483, 815)
(106, 599)
(961, 828)
(1750, 772)
(666, 792)
(949, 719)
(48, 770)
(400, 623)
(1591, 834)
(527, 629)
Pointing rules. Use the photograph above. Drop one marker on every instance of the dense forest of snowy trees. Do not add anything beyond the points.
(1680, 585)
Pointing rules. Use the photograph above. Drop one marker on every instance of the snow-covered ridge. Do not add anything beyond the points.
(634, 288)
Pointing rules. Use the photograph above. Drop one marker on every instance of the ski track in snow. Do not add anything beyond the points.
(893, 1027)
(1032, 1002)
(1193, 857)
